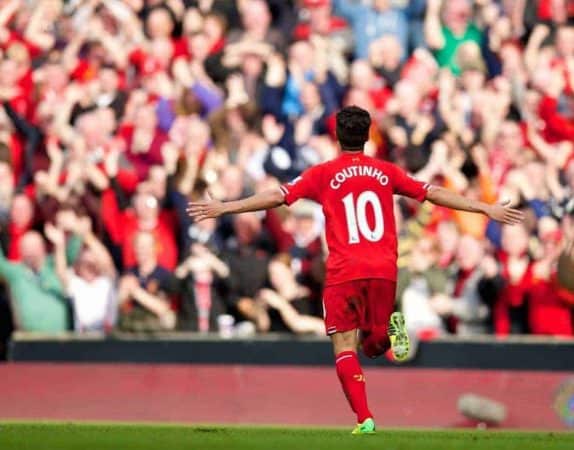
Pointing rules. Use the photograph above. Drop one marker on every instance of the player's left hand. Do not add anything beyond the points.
(205, 209)
(502, 212)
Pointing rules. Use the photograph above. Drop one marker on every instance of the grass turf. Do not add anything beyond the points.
(72, 436)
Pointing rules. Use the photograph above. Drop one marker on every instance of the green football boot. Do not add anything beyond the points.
(367, 427)
(398, 336)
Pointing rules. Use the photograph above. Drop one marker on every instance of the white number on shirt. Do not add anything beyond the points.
(357, 217)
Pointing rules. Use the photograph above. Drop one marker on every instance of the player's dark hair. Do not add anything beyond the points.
(353, 125)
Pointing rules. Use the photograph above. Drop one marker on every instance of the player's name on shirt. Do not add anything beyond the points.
(358, 171)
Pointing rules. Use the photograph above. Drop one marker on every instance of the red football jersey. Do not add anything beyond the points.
(356, 193)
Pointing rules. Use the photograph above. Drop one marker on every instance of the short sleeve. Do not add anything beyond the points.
(408, 186)
(75, 286)
(307, 185)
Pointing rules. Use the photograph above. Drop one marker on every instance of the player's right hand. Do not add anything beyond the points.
(502, 212)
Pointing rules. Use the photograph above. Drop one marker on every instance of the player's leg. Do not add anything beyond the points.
(383, 328)
(379, 301)
(375, 342)
(352, 378)
(341, 313)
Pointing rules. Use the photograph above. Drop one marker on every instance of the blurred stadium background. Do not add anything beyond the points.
(115, 306)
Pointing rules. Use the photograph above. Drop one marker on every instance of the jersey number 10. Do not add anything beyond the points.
(356, 214)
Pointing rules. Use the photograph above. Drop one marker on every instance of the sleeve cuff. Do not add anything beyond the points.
(285, 193)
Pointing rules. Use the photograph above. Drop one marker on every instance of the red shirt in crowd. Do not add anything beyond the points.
(512, 296)
(557, 127)
(546, 9)
(16, 156)
(16, 38)
(164, 237)
(15, 233)
(547, 312)
(142, 161)
(122, 226)
(356, 193)
(148, 64)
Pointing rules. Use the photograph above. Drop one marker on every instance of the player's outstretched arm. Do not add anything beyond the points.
(500, 212)
(210, 208)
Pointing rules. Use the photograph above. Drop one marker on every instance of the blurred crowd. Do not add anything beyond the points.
(116, 113)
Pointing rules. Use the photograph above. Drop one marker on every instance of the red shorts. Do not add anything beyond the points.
(359, 304)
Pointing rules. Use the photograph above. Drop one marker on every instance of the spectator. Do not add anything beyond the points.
(143, 140)
(297, 238)
(290, 300)
(256, 23)
(123, 223)
(447, 36)
(468, 309)
(145, 289)
(247, 256)
(90, 284)
(331, 31)
(385, 57)
(203, 276)
(371, 22)
(320, 21)
(548, 312)
(37, 296)
(422, 286)
(448, 237)
(510, 309)
(363, 77)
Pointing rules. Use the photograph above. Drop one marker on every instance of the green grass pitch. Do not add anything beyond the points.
(75, 436)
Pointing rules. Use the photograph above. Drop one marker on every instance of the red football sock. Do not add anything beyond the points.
(353, 383)
(375, 344)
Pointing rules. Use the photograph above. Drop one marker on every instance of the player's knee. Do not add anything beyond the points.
(345, 341)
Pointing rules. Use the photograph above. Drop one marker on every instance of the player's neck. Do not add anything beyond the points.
(352, 152)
